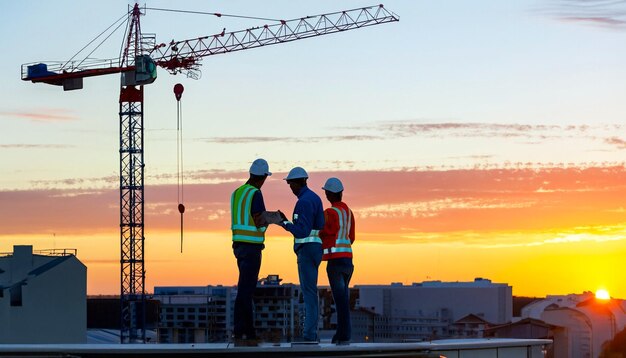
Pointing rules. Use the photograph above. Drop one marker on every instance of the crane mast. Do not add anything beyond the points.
(137, 66)
(132, 271)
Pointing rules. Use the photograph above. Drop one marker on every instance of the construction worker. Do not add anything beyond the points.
(308, 220)
(248, 228)
(337, 238)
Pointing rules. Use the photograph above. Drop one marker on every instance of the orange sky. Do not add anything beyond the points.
(548, 230)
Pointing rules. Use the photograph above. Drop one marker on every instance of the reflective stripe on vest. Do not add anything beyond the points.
(314, 236)
(342, 243)
(242, 223)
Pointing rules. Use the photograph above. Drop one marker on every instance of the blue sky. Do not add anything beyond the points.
(511, 62)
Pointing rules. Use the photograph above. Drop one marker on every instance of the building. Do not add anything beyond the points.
(205, 314)
(470, 326)
(431, 310)
(43, 297)
(103, 312)
(390, 313)
(194, 314)
(529, 328)
(585, 322)
(278, 312)
(524, 328)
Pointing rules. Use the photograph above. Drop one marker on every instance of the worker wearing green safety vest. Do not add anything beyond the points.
(243, 224)
(248, 226)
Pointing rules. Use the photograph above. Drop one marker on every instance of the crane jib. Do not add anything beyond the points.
(179, 56)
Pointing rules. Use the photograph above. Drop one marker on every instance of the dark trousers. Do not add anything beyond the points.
(339, 273)
(249, 263)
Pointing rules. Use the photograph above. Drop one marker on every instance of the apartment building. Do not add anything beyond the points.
(205, 314)
(43, 297)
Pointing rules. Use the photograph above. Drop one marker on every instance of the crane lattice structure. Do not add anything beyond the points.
(137, 66)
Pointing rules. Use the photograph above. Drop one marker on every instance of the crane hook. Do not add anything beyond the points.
(178, 91)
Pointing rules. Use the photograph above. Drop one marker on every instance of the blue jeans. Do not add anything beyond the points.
(309, 259)
(339, 273)
(249, 263)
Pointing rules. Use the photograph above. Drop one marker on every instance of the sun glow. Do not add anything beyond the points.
(603, 294)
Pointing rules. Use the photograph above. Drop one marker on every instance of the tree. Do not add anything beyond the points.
(615, 348)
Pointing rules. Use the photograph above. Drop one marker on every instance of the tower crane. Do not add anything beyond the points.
(137, 65)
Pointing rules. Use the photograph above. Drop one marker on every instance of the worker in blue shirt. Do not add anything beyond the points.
(308, 220)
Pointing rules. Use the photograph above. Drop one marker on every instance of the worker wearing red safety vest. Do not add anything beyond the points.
(248, 227)
(337, 238)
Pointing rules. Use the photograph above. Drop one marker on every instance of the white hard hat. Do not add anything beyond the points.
(260, 167)
(333, 185)
(297, 173)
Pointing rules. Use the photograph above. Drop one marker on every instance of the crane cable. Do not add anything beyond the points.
(212, 13)
(178, 92)
(125, 16)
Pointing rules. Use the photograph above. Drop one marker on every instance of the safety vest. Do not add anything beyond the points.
(314, 236)
(342, 242)
(242, 223)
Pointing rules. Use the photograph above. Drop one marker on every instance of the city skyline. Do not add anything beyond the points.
(474, 140)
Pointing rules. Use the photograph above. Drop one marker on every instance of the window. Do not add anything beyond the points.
(16, 295)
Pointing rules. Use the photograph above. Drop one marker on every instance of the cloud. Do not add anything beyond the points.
(431, 208)
(390, 130)
(604, 13)
(36, 146)
(617, 142)
(245, 140)
(528, 134)
(514, 239)
(596, 20)
(76, 183)
(489, 130)
(597, 234)
(389, 205)
(42, 115)
(90, 262)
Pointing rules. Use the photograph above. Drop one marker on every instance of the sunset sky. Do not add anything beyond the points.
(474, 138)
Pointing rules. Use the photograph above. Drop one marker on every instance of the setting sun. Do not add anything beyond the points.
(602, 294)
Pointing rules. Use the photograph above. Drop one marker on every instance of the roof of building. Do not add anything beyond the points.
(30, 265)
(471, 318)
(478, 282)
(522, 322)
(49, 265)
